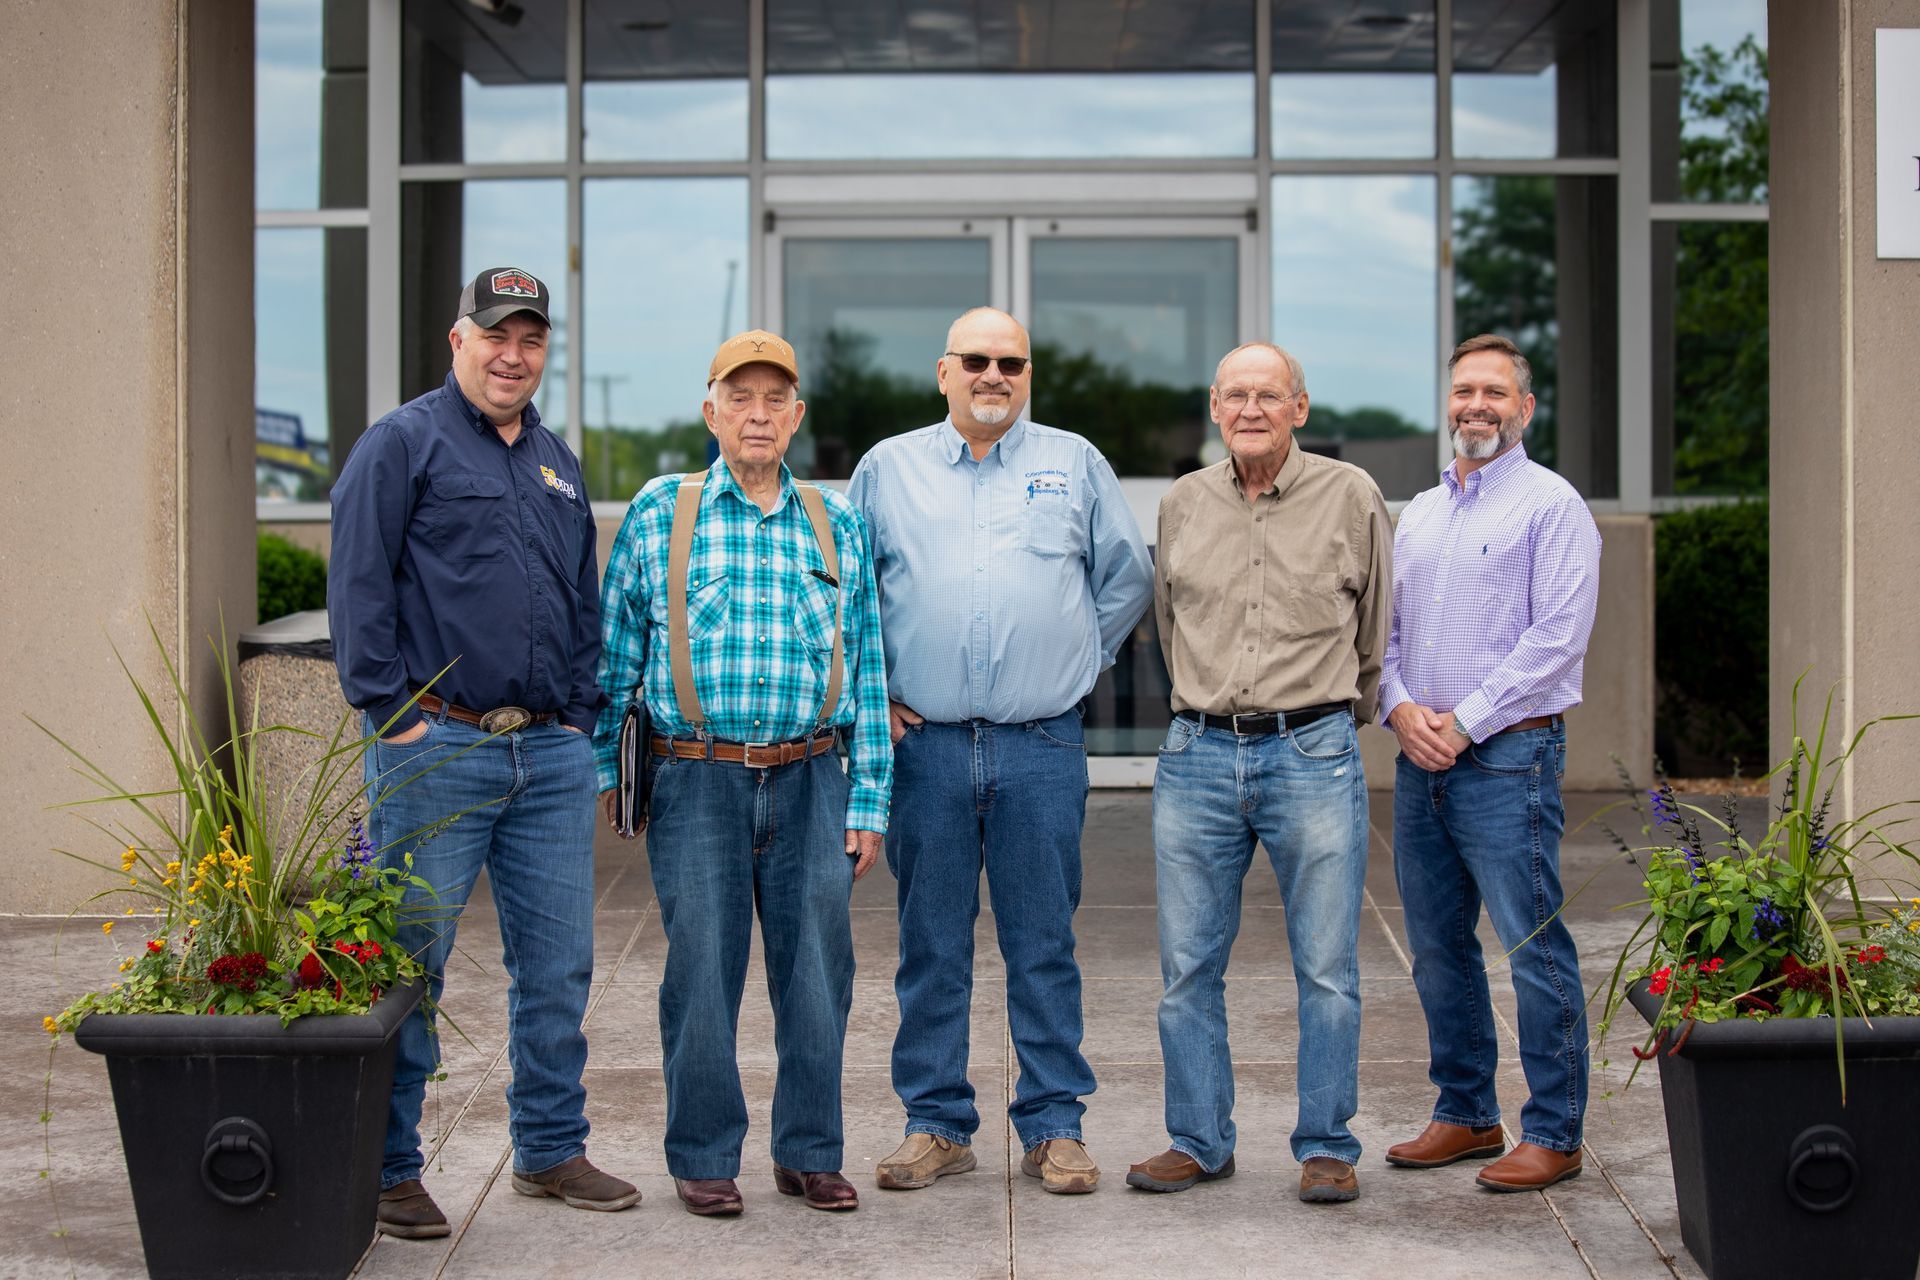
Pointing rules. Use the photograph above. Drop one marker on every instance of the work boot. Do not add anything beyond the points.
(577, 1183)
(1063, 1167)
(920, 1159)
(407, 1211)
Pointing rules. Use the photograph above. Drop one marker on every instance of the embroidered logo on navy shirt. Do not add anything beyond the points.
(555, 482)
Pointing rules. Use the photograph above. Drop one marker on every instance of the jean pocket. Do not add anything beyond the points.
(1328, 738)
(1507, 753)
(1069, 724)
(1180, 736)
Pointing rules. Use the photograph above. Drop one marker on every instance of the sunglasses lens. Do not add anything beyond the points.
(1013, 366)
(975, 364)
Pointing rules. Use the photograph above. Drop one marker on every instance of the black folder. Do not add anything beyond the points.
(632, 762)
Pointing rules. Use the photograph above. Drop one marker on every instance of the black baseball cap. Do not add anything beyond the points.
(498, 292)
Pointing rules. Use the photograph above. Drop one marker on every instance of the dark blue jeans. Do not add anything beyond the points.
(1488, 830)
(721, 839)
(1011, 797)
(529, 819)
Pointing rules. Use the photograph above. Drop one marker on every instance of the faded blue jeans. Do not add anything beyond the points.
(528, 802)
(1011, 798)
(721, 840)
(1303, 795)
(1488, 829)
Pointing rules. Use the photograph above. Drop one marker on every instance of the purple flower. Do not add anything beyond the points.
(359, 854)
(1768, 920)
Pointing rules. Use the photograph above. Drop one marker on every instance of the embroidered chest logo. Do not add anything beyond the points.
(556, 483)
(1047, 483)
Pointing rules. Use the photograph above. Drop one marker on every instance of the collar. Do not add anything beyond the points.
(480, 422)
(1283, 480)
(952, 446)
(720, 480)
(1504, 465)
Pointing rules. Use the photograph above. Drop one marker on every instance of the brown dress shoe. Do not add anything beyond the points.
(709, 1197)
(1174, 1170)
(407, 1211)
(1444, 1144)
(822, 1190)
(1324, 1180)
(920, 1160)
(1529, 1168)
(577, 1183)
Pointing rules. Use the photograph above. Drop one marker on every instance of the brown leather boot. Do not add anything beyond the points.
(1529, 1168)
(1174, 1170)
(407, 1211)
(820, 1190)
(577, 1183)
(1444, 1144)
(709, 1197)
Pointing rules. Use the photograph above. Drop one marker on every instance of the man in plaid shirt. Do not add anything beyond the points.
(749, 802)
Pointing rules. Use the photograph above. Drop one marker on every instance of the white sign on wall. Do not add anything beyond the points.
(1896, 78)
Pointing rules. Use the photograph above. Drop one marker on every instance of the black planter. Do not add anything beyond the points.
(254, 1149)
(1773, 1175)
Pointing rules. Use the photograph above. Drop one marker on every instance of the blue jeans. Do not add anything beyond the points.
(1303, 795)
(525, 806)
(722, 838)
(1488, 829)
(1011, 797)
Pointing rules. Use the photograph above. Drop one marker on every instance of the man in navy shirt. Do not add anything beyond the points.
(463, 558)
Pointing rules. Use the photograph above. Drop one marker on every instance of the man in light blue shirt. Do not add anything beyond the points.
(1009, 569)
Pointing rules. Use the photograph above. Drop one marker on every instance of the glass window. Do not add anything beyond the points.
(1526, 88)
(664, 279)
(309, 356)
(1126, 332)
(1356, 300)
(1353, 83)
(1535, 258)
(1709, 100)
(449, 231)
(310, 105)
(665, 83)
(868, 318)
(482, 85)
(1710, 364)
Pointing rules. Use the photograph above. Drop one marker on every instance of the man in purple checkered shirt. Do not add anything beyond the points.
(1496, 571)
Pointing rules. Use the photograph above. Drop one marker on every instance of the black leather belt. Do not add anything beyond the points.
(1250, 722)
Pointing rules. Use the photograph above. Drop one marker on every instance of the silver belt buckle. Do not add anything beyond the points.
(506, 719)
(746, 749)
(1251, 714)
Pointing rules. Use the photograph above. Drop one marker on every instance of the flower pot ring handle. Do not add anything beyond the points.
(1822, 1173)
(238, 1152)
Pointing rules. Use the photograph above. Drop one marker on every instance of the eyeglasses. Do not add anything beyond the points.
(972, 362)
(1269, 401)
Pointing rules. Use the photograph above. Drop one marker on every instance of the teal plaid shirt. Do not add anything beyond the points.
(761, 628)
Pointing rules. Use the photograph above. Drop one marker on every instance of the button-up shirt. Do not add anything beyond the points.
(452, 546)
(760, 618)
(1494, 596)
(1279, 603)
(1007, 582)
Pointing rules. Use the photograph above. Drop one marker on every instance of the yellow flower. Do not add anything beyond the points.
(173, 868)
(134, 881)
(127, 912)
(53, 1028)
(193, 924)
(126, 965)
(168, 883)
(127, 859)
(107, 927)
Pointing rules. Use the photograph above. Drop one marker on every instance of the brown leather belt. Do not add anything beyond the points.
(498, 720)
(1533, 722)
(754, 755)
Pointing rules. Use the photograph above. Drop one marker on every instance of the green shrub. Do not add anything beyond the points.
(1710, 638)
(291, 579)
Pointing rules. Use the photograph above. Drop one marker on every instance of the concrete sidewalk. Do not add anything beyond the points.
(1617, 1220)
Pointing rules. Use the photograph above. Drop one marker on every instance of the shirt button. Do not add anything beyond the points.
(761, 680)
(763, 559)
(979, 524)
(1249, 648)
(1429, 643)
(979, 568)
(979, 617)
(1258, 519)
(763, 640)
(982, 482)
(756, 724)
(1256, 560)
(1436, 599)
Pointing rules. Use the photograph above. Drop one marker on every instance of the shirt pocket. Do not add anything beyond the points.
(813, 609)
(1055, 527)
(463, 516)
(707, 603)
(1316, 606)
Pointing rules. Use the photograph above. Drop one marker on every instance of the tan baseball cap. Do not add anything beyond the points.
(755, 346)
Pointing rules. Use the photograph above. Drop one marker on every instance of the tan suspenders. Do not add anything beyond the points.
(686, 508)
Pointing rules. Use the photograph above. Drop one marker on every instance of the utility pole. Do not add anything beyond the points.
(606, 381)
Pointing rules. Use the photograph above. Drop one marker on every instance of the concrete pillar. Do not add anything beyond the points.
(1845, 454)
(129, 209)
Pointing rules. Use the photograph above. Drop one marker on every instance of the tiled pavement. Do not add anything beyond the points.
(1617, 1220)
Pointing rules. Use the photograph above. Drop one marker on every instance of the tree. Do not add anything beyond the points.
(1505, 282)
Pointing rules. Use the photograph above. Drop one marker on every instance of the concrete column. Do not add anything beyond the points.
(129, 208)
(1845, 455)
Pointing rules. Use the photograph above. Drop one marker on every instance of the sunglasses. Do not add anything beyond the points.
(1010, 366)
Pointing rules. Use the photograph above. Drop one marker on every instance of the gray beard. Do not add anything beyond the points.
(991, 415)
(1480, 449)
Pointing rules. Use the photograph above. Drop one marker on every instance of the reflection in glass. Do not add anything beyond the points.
(1710, 364)
(1126, 332)
(1536, 260)
(449, 231)
(310, 357)
(868, 320)
(1355, 292)
(665, 83)
(1353, 80)
(480, 86)
(1001, 116)
(665, 280)
(1534, 89)
(1709, 100)
(310, 105)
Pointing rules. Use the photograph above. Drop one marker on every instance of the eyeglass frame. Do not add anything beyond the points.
(998, 362)
(1226, 399)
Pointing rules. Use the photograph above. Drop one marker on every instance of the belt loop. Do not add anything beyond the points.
(707, 738)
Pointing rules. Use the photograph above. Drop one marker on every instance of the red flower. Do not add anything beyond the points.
(155, 945)
(237, 972)
(312, 972)
(1662, 979)
(1713, 966)
(1870, 955)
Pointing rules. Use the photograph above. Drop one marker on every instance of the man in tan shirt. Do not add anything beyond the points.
(1273, 592)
